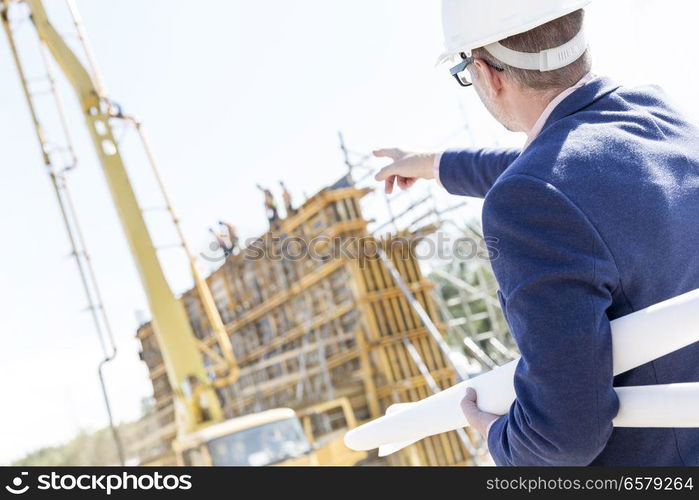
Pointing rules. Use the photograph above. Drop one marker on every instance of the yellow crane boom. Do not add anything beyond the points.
(196, 401)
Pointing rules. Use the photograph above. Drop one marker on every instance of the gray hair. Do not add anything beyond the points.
(546, 36)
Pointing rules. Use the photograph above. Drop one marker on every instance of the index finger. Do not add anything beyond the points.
(392, 153)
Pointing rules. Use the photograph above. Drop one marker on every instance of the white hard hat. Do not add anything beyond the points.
(469, 24)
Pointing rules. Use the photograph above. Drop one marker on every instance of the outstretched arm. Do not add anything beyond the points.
(469, 172)
(472, 172)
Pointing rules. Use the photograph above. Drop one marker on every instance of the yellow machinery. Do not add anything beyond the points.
(198, 410)
(197, 401)
(273, 437)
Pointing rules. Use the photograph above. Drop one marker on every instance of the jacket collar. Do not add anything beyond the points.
(597, 88)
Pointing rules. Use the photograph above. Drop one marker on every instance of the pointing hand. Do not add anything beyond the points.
(406, 168)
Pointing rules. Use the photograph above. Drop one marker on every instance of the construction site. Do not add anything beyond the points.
(320, 323)
(235, 262)
(337, 338)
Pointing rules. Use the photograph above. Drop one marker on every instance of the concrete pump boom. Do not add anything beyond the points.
(196, 403)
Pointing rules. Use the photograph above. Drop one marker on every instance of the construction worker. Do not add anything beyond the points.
(593, 218)
(270, 206)
(222, 243)
(233, 237)
(286, 195)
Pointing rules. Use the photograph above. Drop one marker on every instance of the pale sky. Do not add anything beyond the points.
(232, 94)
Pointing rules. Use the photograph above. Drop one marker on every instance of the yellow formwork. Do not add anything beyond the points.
(309, 328)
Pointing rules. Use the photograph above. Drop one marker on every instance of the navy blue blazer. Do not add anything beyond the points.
(597, 218)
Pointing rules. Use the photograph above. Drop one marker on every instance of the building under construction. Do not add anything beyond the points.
(312, 325)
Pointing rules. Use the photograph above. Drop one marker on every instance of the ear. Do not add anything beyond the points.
(492, 79)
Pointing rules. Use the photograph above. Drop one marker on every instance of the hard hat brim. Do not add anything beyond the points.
(466, 46)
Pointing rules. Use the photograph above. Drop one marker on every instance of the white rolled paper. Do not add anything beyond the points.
(675, 405)
(637, 338)
(671, 405)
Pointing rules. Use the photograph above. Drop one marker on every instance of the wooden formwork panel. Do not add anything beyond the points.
(391, 319)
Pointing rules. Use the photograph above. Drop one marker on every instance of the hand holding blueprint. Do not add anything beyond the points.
(637, 338)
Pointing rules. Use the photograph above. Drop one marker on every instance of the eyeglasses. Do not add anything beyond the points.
(460, 74)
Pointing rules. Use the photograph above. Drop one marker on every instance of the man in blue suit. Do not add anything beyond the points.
(595, 217)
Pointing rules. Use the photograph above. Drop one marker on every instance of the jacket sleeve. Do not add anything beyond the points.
(556, 279)
(472, 172)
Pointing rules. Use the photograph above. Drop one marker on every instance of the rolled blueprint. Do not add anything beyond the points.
(675, 405)
(637, 338)
(671, 405)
